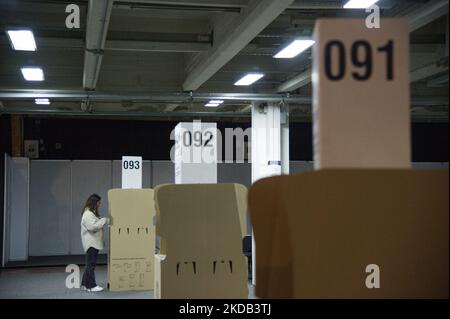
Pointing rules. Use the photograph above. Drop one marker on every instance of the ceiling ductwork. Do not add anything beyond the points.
(99, 13)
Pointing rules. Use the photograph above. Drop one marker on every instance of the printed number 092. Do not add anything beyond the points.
(198, 139)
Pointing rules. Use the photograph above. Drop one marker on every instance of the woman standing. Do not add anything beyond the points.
(92, 239)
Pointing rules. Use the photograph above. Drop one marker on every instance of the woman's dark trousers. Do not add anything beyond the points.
(89, 273)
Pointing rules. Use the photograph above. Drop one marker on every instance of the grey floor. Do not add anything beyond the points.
(55, 261)
(49, 283)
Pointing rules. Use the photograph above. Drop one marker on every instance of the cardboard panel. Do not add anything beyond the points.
(132, 239)
(317, 232)
(201, 229)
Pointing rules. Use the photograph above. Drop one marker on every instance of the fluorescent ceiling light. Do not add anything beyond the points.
(216, 101)
(22, 40)
(359, 4)
(42, 101)
(249, 79)
(294, 49)
(33, 74)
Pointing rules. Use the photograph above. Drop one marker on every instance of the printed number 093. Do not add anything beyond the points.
(131, 165)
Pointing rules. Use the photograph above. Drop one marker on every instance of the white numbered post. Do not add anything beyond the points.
(195, 153)
(131, 172)
(361, 94)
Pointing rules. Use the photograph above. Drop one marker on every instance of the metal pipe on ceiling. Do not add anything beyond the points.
(427, 13)
(125, 114)
(98, 96)
(99, 13)
(177, 7)
(193, 114)
(235, 6)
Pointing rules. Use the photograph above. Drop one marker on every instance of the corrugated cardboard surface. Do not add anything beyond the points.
(201, 228)
(362, 124)
(316, 232)
(132, 239)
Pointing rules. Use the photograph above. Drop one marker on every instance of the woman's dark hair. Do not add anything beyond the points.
(91, 204)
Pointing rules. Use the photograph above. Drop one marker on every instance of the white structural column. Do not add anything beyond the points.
(270, 147)
(284, 136)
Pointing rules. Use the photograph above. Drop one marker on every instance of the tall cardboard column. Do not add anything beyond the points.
(363, 224)
(195, 153)
(284, 136)
(132, 232)
(361, 116)
(270, 147)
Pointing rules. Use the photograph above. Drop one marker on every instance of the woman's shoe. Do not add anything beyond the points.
(83, 288)
(95, 289)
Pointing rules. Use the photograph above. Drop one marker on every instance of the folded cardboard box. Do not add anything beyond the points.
(132, 239)
(352, 234)
(201, 227)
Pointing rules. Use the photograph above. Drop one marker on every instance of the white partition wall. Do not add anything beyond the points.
(235, 173)
(17, 212)
(43, 198)
(304, 166)
(117, 174)
(50, 208)
(300, 166)
(163, 172)
(88, 177)
(6, 208)
(429, 165)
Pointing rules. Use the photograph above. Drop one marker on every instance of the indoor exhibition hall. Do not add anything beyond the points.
(245, 150)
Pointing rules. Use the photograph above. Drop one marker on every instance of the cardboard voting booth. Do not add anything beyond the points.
(201, 228)
(132, 239)
(375, 233)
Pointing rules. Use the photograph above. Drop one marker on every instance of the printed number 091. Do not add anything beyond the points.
(361, 56)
